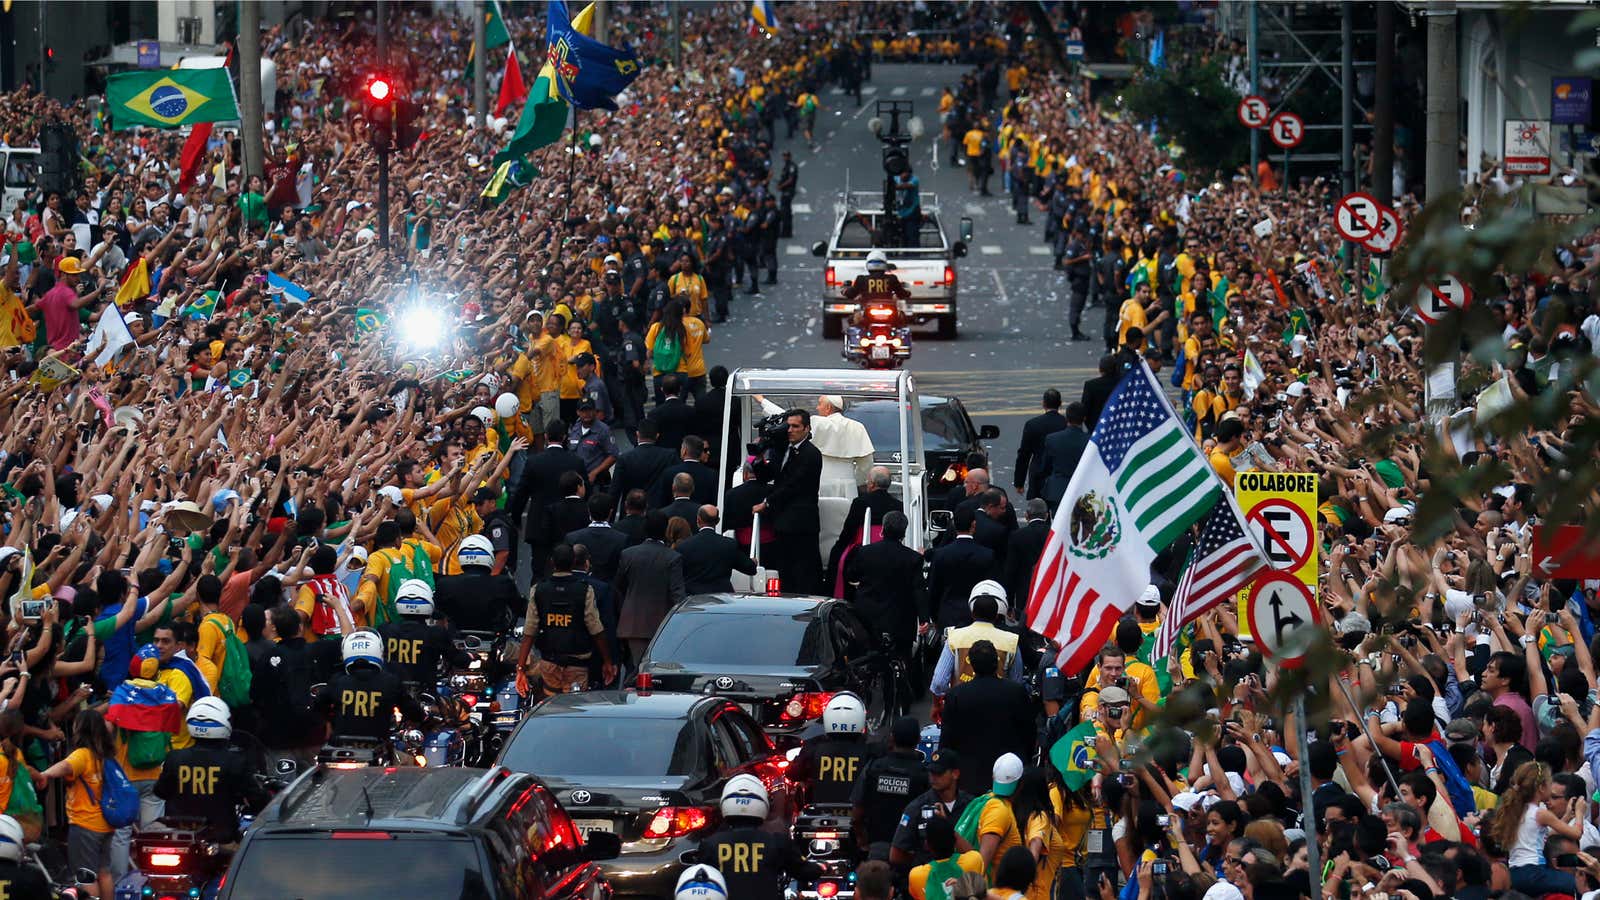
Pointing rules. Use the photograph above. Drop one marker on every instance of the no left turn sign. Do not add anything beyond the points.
(1287, 130)
(1253, 111)
(1357, 216)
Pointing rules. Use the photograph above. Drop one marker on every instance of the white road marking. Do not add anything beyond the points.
(927, 92)
(991, 250)
(793, 338)
(803, 209)
(974, 209)
(796, 250)
(811, 323)
(1041, 251)
(837, 92)
(769, 354)
(870, 89)
(999, 286)
(1005, 321)
(899, 91)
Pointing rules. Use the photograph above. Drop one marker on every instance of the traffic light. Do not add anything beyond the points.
(377, 103)
(378, 89)
(406, 131)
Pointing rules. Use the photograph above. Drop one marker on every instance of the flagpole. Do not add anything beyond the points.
(480, 75)
(572, 158)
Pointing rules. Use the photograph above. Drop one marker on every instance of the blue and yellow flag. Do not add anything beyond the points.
(764, 15)
(1073, 756)
(169, 98)
(588, 73)
(368, 320)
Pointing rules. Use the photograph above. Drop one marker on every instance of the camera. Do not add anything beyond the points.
(772, 436)
(1163, 821)
(1159, 867)
(32, 609)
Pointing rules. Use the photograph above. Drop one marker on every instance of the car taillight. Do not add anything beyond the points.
(676, 821)
(773, 585)
(771, 770)
(949, 275)
(827, 889)
(469, 699)
(362, 836)
(806, 706)
(643, 682)
(830, 276)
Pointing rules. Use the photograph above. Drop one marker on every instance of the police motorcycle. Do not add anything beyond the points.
(491, 713)
(879, 333)
(828, 766)
(448, 736)
(177, 856)
(363, 651)
(48, 864)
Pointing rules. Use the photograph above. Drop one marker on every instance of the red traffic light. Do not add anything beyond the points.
(378, 90)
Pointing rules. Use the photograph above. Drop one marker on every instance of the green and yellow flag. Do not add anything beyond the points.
(510, 175)
(494, 28)
(169, 98)
(1073, 756)
(544, 116)
(368, 320)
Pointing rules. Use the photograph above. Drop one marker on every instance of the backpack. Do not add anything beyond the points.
(667, 353)
(1180, 365)
(967, 825)
(120, 802)
(145, 749)
(233, 682)
(415, 565)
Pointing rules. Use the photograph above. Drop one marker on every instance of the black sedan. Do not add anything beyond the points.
(948, 435)
(780, 656)
(648, 767)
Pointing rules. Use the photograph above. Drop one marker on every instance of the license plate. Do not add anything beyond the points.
(880, 352)
(586, 826)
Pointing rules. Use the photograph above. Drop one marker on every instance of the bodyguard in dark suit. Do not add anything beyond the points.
(605, 603)
(649, 582)
(877, 502)
(639, 468)
(888, 585)
(540, 488)
(792, 506)
(570, 513)
(1023, 551)
(985, 718)
(631, 522)
(672, 416)
(1096, 391)
(705, 478)
(709, 559)
(991, 516)
(682, 505)
(1034, 431)
(1062, 451)
(954, 569)
(603, 542)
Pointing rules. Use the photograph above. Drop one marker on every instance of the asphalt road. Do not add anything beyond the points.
(1013, 305)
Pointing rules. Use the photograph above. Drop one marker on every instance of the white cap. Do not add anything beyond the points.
(1007, 772)
(1151, 596)
(1295, 388)
(835, 401)
(393, 493)
(1186, 800)
(1396, 514)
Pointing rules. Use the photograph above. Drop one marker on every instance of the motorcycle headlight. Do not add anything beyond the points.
(411, 736)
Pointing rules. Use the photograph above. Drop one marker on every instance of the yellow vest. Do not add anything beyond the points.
(960, 640)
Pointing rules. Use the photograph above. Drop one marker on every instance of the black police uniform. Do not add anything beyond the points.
(788, 183)
(20, 882)
(478, 601)
(754, 862)
(412, 650)
(563, 637)
(829, 765)
(362, 702)
(770, 219)
(911, 835)
(886, 785)
(868, 287)
(209, 780)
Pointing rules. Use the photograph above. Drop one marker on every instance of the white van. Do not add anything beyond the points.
(20, 167)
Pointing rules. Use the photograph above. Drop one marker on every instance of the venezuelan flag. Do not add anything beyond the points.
(764, 15)
(141, 705)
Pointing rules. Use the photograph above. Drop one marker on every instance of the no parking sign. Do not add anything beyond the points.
(1280, 509)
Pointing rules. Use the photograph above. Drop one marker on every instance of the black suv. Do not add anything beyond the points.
(474, 834)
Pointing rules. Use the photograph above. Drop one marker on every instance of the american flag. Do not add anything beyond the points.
(1225, 558)
(1140, 484)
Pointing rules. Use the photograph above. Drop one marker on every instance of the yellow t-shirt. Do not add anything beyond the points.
(179, 683)
(692, 285)
(1075, 822)
(691, 360)
(527, 386)
(546, 366)
(970, 861)
(1058, 846)
(947, 102)
(1223, 464)
(1191, 363)
(973, 141)
(997, 818)
(213, 646)
(1131, 315)
(87, 770)
(571, 384)
(452, 520)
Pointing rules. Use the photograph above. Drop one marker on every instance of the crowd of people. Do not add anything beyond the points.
(310, 436)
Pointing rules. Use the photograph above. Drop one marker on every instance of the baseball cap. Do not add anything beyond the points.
(393, 493)
(585, 403)
(1112, 695)
(70, 265)
(1460, 730)
(583, 359)
(1150, 597)
(1007, 772)
(1397, 514)
(943, 760)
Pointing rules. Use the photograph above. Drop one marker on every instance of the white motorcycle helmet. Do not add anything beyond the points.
(697, 883)
(362, 647)
(475, 551)
(209, 719)
(745, 795)
(844, 714)
(11, 840)
(414, 598)
(877, 261)
(506, 406)
(989, 588)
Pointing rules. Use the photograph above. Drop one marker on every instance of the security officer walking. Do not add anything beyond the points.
(943, 799)
(477, 599)
(828, 764)
(987, 602)
(412, 644)
(788, 184)
(770, 226)
(19, 881)
(886, 785)
(563, 621)
(754, 862)
(719, 256)
(208, 780)
(361, 701)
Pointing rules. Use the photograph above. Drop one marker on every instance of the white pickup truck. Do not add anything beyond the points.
(927, 270)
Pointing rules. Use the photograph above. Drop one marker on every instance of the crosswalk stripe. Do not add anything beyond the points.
(837, 92)
(802, 208)
(899, 91)
(927, 92)
(991, 250)
(796, 250)
(1041, 251)
(974, 209)
(870, 89)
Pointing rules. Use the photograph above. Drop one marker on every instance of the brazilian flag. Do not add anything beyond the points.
(1298, 321)
(204, 307)
(1073, 756)
(368, 320)
(169, 98)
(508, 176)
